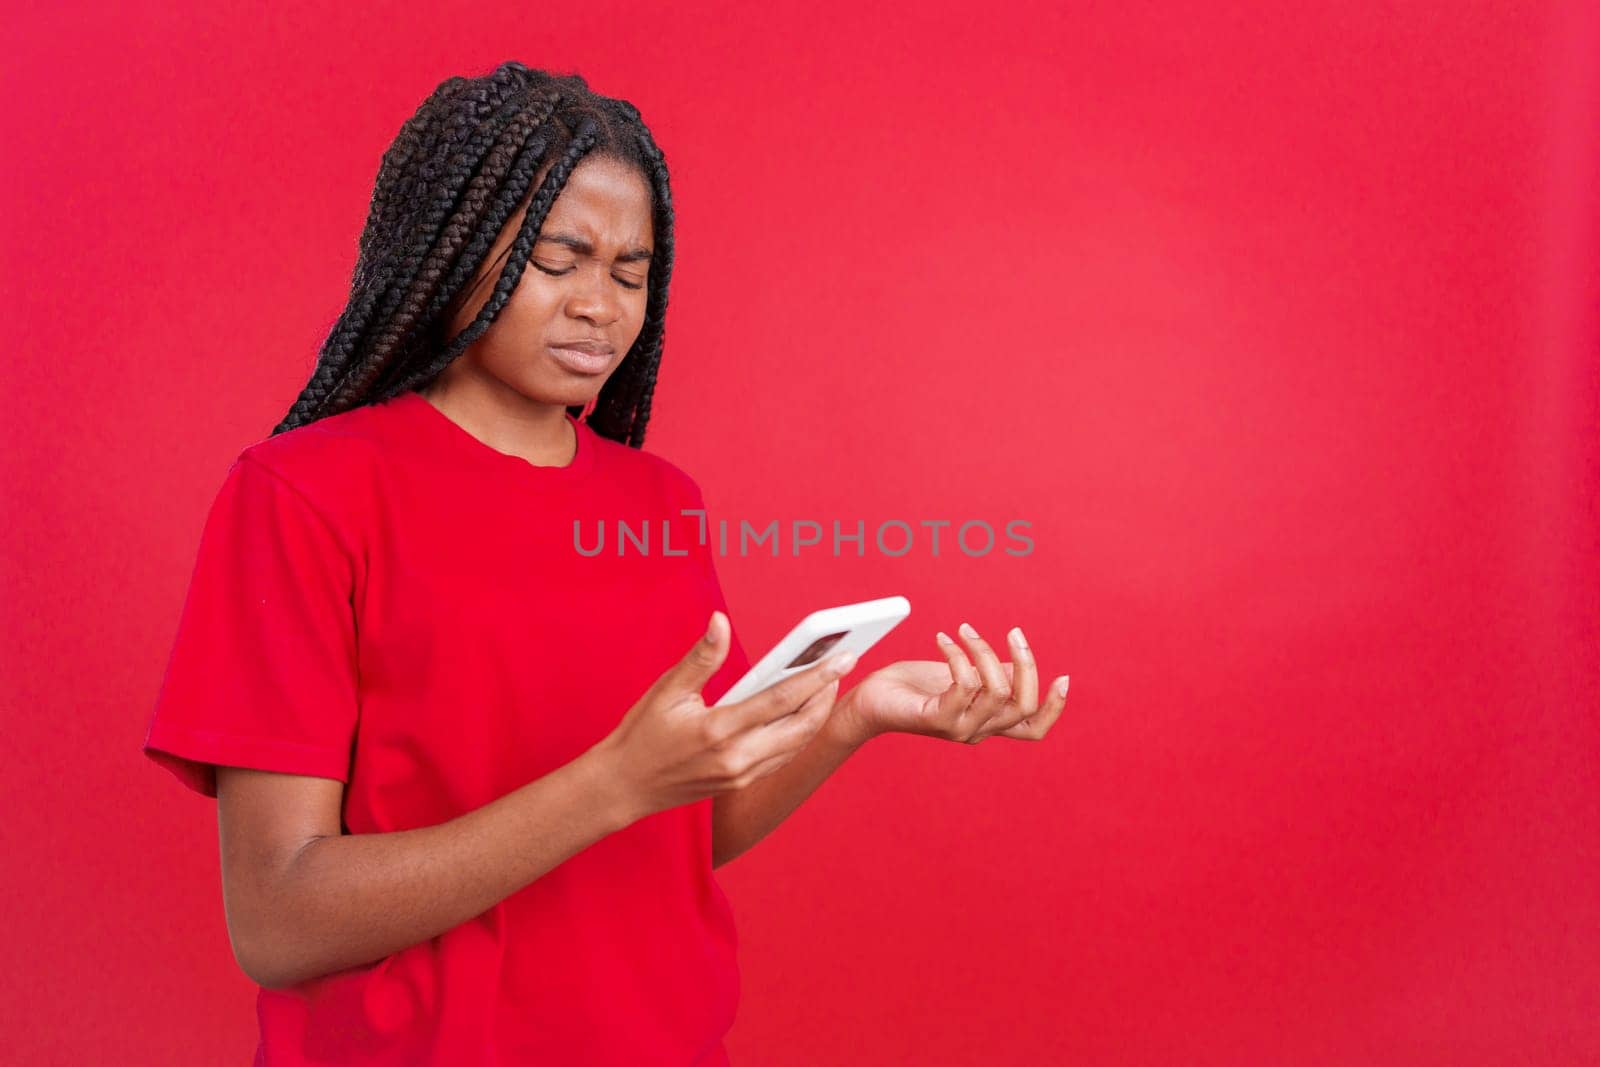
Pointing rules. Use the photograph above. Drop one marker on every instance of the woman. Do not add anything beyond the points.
(469, 790)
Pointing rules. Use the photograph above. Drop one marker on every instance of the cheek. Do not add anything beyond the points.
(521, 324)
(635, 327)
(637, 305)
(529, 311)
(537, 296)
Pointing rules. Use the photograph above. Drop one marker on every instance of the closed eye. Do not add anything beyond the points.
(560, 273)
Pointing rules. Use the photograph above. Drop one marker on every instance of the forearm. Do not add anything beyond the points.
(742, 818)
(352, 899)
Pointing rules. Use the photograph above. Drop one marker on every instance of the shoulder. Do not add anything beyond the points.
(676, 482)
(671, 480)
(330, 448)
(330, 464)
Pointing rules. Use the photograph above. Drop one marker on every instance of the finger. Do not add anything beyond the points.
(795, 730)
(705, 656)
(787, 736)
(991, 700)
(1037, 725)
(1024, 676)
(760, 771)
(964, 686)
(780, 698)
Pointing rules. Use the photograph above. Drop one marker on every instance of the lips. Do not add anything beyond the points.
(593, 348)
(586, 358)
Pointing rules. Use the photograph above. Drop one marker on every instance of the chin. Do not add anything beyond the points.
(577, 393)
(552, 389)
(580, 392)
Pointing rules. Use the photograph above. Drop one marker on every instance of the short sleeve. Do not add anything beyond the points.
(262, 673)
(737, 663)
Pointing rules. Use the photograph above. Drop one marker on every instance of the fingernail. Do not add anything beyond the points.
(1016, 635)
(711, 627)
(968, 632)
(843, 663)
(943, 638)
(1061, 686)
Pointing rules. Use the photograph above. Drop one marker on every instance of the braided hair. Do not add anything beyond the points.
(455, 173)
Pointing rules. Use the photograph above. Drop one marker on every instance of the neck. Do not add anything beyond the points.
(508, 421)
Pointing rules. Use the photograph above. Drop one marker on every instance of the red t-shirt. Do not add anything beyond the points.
(381, 598)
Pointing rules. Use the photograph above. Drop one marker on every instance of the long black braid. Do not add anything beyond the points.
(446, 187)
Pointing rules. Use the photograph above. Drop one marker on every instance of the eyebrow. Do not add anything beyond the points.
(582, 247)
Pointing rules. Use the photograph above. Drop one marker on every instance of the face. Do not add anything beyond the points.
(585, 284)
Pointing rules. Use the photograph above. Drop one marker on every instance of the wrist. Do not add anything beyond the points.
(844, 726)
(612, 792)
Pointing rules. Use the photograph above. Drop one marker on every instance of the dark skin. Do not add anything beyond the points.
(586, 280)
(512, 394)
(305, 899)
(296, 909)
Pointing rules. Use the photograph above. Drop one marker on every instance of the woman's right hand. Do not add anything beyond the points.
(670, 749)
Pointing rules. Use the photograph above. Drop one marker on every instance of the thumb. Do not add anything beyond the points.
(705, 656)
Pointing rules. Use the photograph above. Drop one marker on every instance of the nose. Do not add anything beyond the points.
(591, 296)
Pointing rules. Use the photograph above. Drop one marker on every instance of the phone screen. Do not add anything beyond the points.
(816, 650)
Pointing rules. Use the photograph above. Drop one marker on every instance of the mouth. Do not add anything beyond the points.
(587, 357)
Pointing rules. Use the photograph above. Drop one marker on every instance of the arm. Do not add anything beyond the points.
(740, 819)
(303, 900)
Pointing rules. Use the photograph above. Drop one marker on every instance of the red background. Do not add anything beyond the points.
(1277, 322)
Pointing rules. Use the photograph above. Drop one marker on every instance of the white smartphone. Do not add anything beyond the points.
(847, 628)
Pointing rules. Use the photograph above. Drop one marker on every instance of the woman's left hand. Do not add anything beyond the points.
(959, 699)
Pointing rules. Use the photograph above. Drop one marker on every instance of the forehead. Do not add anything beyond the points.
(604, 199)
